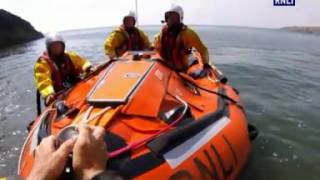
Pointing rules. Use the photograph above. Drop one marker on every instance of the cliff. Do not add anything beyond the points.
(14, 30)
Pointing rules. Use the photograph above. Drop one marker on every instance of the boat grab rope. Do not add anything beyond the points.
(194, 84)
(86, 118)
(142, 142)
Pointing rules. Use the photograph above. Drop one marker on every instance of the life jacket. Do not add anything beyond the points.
(60, 76)
(172, 48)
(133, 41)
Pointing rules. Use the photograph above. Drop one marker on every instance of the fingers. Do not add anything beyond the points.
(84, 133)
(87, 135)
(89, 156)
(98, 133)
(84, 139)
(48, 144)
(66, 148)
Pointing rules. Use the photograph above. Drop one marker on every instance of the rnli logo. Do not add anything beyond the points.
(284, 2)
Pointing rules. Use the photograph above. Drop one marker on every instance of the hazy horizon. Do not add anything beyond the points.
(59, 15)
(159, 25)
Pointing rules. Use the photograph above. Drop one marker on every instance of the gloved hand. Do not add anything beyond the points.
(198, 73)
(90, 69)
(61, 107)
(201, 73)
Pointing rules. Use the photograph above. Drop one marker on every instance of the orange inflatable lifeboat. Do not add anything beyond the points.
(160, 124)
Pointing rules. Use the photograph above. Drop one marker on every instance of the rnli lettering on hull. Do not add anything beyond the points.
(207, 168)
(213, 162)
(182, 152)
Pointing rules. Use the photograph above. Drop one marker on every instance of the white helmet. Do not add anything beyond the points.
(131, 14)
(54, 37)
(177, 9)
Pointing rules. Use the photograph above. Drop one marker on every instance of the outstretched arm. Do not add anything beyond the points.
(42, 78)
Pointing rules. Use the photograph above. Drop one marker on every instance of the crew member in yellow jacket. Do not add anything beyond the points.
(126, 37)
(175, 41)
(56, 70)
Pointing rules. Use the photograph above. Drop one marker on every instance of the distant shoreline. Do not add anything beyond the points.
(299, 29)
(303, 29)
(159, 26)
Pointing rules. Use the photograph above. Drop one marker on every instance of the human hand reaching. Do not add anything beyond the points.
(50, 161)
(89, 153)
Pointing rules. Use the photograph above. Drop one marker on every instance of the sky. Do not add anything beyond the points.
(56, 15)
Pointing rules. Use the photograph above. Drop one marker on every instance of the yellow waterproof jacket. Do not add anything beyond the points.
(189, 39)
(43, 73)
(119, 42)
